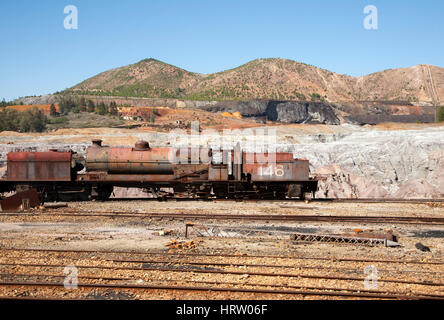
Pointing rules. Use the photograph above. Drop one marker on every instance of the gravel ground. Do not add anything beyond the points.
(137, 234)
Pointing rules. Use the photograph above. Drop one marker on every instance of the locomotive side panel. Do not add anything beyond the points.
(277, 167)
(39, 166)
(218, 172)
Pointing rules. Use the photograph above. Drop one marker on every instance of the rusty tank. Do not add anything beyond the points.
(140, 159)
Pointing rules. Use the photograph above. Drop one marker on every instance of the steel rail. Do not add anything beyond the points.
(336, 259)
(229, 264)
(358, 200)
(238, 264)
(274, 217)
(246, 284)
(252, 273)
(220, 289)
(63, 276)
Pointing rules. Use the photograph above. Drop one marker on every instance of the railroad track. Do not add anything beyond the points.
(259, 217)
(226, 255)
(212, 289)
(169, 267)
(360, 200)
(193, 266)
(192, 261)
(382, 200)
(104, 281)
(340, 291)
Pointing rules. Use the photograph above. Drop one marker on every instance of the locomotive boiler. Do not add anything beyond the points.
(188, 172)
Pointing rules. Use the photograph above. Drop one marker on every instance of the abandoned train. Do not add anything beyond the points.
(65, 176)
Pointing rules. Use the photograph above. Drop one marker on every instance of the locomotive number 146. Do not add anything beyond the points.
(271, 170)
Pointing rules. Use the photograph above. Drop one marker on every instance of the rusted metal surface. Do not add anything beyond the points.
(372, 235)
(192, 155)
(361, 240)
(138, 160)
(21, 201)
(122, 179)
(237, 163)
(218, 172)
(142, 166)
(296, 170)
(142, 145)
(294, 190)
(187, 172)
(39, 166)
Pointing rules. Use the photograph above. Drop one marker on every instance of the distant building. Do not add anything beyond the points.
(139, 113)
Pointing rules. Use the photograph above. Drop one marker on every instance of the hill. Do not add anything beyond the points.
(270, 78)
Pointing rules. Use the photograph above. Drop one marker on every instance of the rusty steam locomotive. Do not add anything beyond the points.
(65, 176)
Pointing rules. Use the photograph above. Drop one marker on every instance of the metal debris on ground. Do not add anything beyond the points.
(55, 205)
(165, 232)
(175, 244)
(422, 247)
(361, 239)
(21, 201)
(359, 233)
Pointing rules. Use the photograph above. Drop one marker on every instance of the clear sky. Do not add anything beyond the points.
(38, 55)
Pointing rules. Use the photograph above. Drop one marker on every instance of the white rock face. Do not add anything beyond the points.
(405, 163)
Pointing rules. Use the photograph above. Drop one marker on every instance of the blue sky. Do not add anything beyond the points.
(39, 56)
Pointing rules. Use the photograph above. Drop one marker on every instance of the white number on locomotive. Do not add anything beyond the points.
(272, 170)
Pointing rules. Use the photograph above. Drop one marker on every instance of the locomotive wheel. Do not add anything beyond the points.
(79, 196)
(102, 192)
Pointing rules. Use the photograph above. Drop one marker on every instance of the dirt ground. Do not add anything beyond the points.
(51, 229)
(139, 233)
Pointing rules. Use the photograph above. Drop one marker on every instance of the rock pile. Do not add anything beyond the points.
(281, 111)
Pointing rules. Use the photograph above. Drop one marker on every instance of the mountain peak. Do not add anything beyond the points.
(267, 78)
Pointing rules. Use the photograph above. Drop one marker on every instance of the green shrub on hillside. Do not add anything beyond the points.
(315, 96)
(57, 120)
(440, 115)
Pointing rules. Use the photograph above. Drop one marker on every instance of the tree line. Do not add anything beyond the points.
(5, 103)
(34, 120)
(31, 120)
(76, 105)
